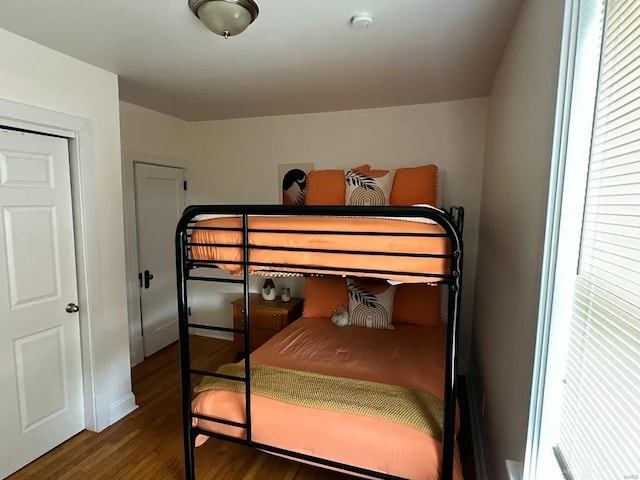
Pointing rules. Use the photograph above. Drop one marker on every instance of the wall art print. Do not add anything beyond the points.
(293, 182)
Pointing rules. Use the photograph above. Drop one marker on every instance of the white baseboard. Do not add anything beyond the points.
(122, 408)
(476, 428)
(201, 332)
(102, 412)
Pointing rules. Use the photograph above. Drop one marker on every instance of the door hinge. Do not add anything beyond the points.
(185, 184)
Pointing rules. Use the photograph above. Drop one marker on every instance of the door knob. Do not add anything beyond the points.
(71, 308)
(147, 278)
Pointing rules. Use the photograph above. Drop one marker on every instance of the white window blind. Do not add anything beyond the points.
(599, 434)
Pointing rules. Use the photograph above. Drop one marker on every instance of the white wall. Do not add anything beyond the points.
(514, 201)
(37, 76)
(151, 133)
(147, 136)
(236, 161)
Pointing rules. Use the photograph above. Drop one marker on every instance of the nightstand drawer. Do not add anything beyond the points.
(260, 318)
(268, 317)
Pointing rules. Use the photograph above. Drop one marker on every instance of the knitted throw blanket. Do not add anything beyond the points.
(414, 409)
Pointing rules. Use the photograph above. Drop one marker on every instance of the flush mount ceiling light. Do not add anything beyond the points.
(225, 17)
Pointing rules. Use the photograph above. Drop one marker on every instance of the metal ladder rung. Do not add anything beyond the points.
(219, 420)
(218, 375)
(215, 329)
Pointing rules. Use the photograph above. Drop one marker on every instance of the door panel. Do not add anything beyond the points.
(159, 204)
(24, 169)
(41, 394)
(31, 254)
(42, 388)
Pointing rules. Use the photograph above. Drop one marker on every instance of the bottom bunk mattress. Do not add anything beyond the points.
(410, 357)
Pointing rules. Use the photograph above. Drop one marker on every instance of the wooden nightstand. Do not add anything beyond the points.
(266, 318)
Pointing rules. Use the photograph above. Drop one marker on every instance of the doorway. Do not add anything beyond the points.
(42, 400)
(106, 396)
(159, 202)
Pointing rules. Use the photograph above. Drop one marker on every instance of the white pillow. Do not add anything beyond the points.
(370, 303)
(364, 190)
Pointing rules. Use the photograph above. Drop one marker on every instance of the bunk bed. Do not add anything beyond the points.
(406, 245)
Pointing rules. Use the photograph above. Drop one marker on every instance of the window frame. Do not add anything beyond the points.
(575, 105)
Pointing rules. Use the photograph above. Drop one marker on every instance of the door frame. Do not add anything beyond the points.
(129, 158)
(79, 134)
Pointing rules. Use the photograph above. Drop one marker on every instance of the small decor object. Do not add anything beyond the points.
(285, 294)
(293, 182)
(340, 317)
(366, 190)
(269, 290)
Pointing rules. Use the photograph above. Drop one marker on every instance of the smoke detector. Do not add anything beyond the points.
(361, 21)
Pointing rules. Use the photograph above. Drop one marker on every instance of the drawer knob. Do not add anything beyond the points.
(242, 311)
(274, 325)
(273, 314)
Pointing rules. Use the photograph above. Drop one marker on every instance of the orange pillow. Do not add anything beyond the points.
(369, 171)
(417, 304)
(323, 294)
(327, 187)
(415, 185)
(363, 168)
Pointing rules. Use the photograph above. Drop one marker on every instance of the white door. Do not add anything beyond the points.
(41, 394)
(159, 205)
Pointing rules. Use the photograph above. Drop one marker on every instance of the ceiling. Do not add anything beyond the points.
(299, 56)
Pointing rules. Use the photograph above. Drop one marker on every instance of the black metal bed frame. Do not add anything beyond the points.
(452, 223)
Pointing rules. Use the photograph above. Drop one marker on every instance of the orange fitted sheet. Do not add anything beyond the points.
(409, 356)
(337, 263)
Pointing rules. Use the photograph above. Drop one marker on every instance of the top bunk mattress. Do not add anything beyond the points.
(403, 250)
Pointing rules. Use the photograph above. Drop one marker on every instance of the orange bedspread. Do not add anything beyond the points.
(428, 269)
(409, 356)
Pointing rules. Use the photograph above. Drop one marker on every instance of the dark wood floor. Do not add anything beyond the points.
(147, 444)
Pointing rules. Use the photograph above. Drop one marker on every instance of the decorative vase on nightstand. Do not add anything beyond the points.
(269, 290)
(285, 294)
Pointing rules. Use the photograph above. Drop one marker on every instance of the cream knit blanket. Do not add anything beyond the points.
(414, 409)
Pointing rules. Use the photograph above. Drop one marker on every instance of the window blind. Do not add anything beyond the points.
(599, 434)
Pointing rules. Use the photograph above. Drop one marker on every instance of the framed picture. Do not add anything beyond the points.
(293, 182)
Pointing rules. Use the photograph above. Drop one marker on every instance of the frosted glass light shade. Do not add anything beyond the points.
(225, 17)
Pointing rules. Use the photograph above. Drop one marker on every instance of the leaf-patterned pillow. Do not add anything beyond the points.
(364, 189)
(370, 303)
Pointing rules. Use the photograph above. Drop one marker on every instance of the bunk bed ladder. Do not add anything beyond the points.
(247, 342)
(183, 269)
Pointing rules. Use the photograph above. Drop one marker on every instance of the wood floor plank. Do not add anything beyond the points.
(147, 444)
